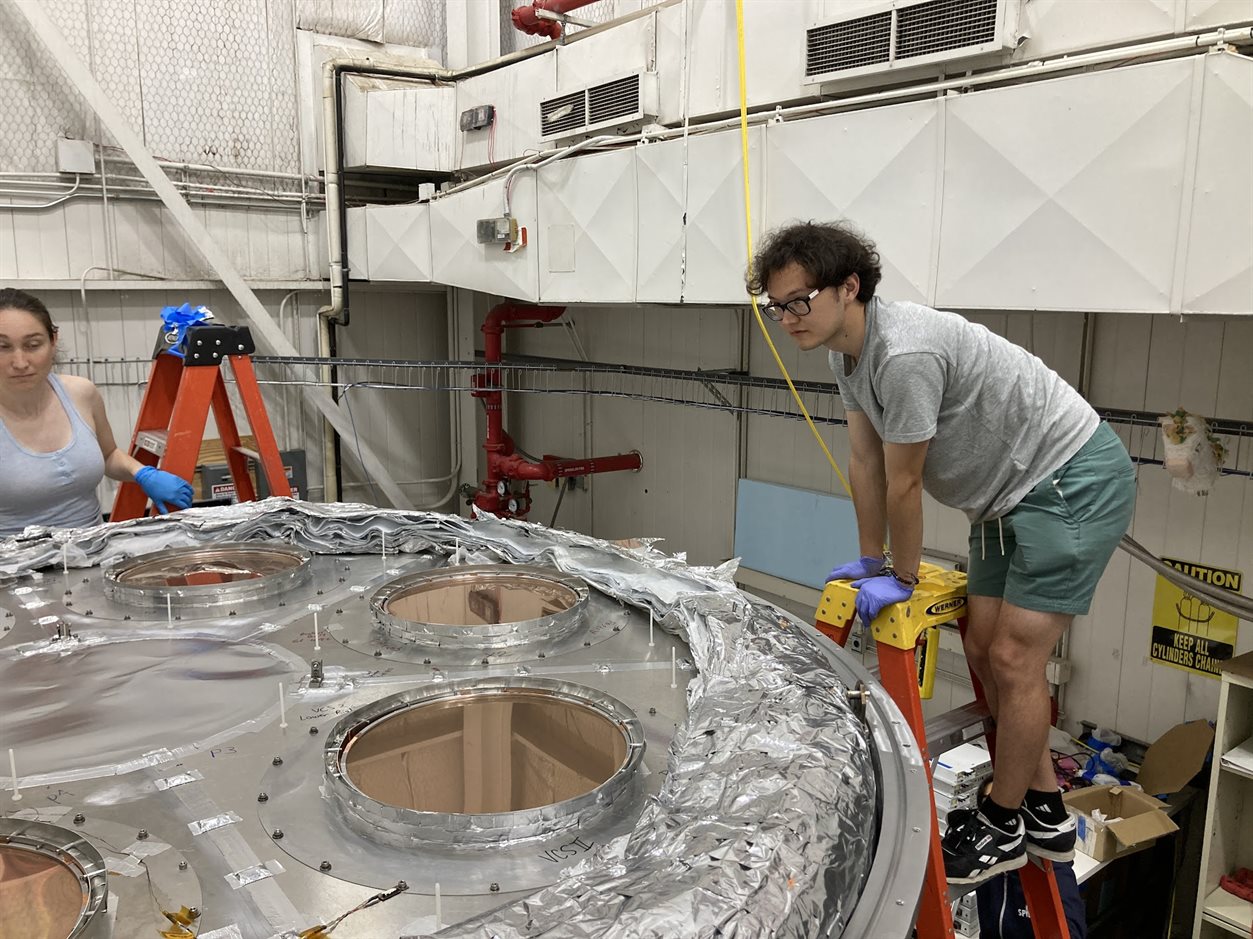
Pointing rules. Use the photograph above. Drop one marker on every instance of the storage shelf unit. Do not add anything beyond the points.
(1228, 843)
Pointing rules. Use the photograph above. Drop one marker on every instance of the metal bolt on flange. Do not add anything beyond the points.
(277, 761)
(378, 654)
(182, 865)
(494, 888)
(142, 835)
(263, 797)
(324, 866)
(79, 818)
(313, 731)
(277, 834)
(652, 711)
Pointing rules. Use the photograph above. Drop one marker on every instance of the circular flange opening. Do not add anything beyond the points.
(481, 606)
(207, 576)
(482, 762)
(52, 882)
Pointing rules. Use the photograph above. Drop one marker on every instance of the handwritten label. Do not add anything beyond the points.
(570, 849)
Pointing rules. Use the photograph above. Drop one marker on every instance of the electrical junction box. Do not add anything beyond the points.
(76, 156)
(497, 231)
(478, 118)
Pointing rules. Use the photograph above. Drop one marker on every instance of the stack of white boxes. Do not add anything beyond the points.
(959, 775)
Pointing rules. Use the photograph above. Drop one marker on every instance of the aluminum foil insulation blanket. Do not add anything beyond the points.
(765, 824)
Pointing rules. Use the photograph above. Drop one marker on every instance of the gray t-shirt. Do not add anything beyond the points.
(999, 420)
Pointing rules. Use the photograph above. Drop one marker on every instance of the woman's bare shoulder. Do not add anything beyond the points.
(82, 391)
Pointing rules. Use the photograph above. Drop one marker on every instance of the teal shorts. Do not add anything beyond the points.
(1052, 547)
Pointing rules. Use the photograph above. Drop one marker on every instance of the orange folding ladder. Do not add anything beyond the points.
(940, 597)
(171, 422)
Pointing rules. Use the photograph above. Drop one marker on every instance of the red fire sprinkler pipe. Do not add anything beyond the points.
(524, 18)
(504, 465)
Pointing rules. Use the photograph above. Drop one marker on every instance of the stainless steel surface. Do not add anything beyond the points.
(482, 762)
(602, 618)
(52, 881)
(88, 706)
(481, 606)
(757, 770)
(214, 576)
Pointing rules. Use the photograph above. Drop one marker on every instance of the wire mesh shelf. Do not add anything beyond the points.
(719, 390)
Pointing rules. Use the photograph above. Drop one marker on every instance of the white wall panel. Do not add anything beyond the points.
(1061, 171)
(629, 47)
(878, 169)
(1219, 271)
(458, 260)
(1203, 13)
(358, 243)
(408, 428)
(587, 237)
(399, 238)
(515, 91)
(774, 48)
(716, 252)
(1058, 26)
(400, 124)
(659, 248)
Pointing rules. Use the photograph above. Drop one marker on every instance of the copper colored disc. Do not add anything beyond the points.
(40, 898)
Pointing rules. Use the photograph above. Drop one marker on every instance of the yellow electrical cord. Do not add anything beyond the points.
(748, 236)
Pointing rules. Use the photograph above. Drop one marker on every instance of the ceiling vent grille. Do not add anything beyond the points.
(943, 25)
(906, 34)
(857, 43)
(621, 105)
(613, 100)
(560, 115)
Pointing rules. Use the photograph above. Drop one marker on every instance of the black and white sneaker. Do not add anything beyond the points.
(975, 849)
(1048, 836)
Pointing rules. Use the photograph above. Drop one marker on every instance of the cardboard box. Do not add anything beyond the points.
(1134, 818)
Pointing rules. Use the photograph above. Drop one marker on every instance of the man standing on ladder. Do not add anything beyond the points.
(939, 403)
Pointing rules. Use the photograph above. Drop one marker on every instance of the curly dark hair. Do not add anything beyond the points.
(13, 299)
(829, 251)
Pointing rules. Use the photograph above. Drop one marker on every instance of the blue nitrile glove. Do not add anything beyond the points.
(177, 320)
(862, 567)
(164, 489)
(874, 593)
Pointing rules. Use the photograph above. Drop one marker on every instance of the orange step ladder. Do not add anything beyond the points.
(940, 597)
(171, 422)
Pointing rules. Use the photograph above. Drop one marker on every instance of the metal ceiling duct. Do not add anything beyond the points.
(211, 576)
(482, 761)
(52, 881)
(482, 606)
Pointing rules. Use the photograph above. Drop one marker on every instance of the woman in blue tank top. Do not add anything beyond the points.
(55, 440)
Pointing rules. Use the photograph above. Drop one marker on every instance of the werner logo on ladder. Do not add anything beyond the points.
(186, 380)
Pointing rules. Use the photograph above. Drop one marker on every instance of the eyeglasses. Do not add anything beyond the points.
(797, 306)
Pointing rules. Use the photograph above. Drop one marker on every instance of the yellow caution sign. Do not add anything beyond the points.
(1188, 633)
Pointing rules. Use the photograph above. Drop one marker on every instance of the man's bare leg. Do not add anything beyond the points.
(1016, 659)
(982, 630)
